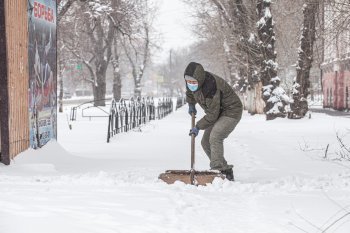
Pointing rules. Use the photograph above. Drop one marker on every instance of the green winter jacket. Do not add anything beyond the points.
(214, 95)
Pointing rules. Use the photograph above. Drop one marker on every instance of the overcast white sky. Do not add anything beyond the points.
(174, 25)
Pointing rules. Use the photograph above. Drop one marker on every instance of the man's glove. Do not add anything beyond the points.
(194, 131)
(192, 109)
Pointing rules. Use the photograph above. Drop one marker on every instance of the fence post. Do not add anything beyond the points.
(126, 119)
(110, 121)
(116, 122)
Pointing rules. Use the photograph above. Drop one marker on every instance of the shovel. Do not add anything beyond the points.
(192, 176)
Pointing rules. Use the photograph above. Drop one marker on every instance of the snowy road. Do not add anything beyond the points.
(85, 185)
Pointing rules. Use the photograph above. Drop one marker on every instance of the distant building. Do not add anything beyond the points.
(28, 100)
(336, 63)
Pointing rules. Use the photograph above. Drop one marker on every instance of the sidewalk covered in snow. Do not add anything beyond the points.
(82, 184)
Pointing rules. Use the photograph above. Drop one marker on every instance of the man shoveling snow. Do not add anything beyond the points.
(223, 110)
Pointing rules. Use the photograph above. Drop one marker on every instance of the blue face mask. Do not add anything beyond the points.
(192, 87)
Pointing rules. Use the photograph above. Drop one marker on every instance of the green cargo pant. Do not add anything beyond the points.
(213, 141)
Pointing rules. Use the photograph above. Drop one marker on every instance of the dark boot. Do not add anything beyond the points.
(228, 174)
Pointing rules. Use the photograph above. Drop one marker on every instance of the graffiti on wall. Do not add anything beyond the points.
(42, 71)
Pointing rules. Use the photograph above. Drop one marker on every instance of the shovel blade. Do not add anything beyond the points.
(200, 177)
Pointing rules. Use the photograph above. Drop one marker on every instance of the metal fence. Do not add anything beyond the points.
(85, 107)
(180, 102)
(129, 114)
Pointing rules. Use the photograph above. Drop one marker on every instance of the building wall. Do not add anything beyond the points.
(336, 65)
(23, 63)
(328, 86)
(16, 20)
(336, 85)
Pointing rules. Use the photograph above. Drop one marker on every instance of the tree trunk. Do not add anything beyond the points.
(230, 64)
(60, 96)
(138, 68)
(117, 82)
(259, 102)
(239, 16)
(228, 43)
(60, 100)
(103, 53)
(274, 96)
(301, 85)
(137, 89)
(99, 90)
(255, 103)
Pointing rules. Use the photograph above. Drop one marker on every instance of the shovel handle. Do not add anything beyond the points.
(192, 148)
(193, 117)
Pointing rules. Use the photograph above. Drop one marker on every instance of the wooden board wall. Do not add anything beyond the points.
(4, 149)
(16, 20)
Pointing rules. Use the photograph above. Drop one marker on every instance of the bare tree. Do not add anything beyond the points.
(63, 7)
(288, 19)
(61, 63)
(138, 58)
(216, 46)
(228, 30)
(90, 42)
(137, 45)
(99, 33)
(237, 20)
(94, 41)
(117, 81)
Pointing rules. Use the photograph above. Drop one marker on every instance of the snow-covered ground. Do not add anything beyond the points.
(81, 184)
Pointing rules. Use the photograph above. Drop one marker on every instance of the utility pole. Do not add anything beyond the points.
(170, 53)
(170, 73)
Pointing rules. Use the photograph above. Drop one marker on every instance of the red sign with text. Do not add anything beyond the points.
(43, 12)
